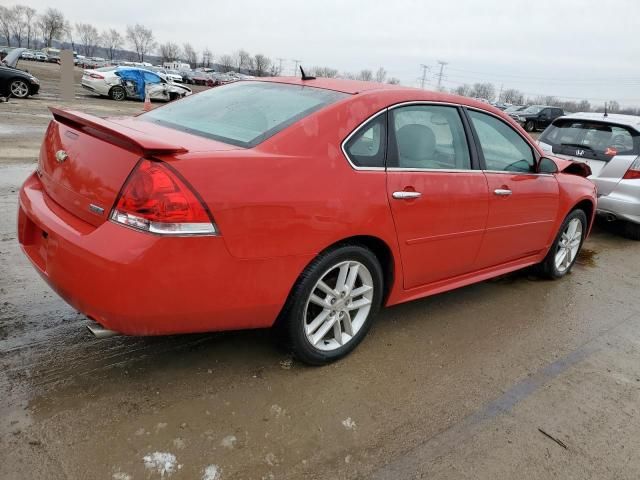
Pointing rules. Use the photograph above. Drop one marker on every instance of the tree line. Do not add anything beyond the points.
(23, 26)
(487, 91)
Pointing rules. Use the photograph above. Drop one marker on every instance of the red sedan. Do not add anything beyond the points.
(302, 204)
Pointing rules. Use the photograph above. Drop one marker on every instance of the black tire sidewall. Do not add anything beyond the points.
(293, 320)
(529, 126)
(113, 89)
(550, 260)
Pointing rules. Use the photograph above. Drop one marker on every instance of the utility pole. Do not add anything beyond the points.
(500, 94)
(280, 67)
(424, 75)
(295, 69)
(441, 74)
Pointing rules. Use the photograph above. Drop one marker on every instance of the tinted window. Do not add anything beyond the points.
(430, 137)
(503, 148)
(243, 113)
(367, 147)
(596, 139)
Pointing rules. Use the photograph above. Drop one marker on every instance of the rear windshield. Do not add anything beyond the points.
(590, 139)
(243, 113)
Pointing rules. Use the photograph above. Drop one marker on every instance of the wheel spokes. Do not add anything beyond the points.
(319, 320)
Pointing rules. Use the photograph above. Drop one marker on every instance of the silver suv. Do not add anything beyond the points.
(610, 145)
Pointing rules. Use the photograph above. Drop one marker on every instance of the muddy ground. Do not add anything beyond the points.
(511, 378)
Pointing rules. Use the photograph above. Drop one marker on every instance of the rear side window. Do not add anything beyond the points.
(590, 139)
(243, 113)
(367, 147)
(428, 137)
(502, 147)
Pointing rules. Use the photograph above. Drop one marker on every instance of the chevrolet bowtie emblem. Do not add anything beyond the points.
(61, 156)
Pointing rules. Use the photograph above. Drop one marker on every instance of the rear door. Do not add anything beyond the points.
(609, 149)
(523, 204)
(438, 200)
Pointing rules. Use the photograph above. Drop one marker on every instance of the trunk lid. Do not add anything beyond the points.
(85, 160)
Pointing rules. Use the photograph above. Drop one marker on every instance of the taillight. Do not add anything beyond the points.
(155, 199)
(634, 170)
(96, 75)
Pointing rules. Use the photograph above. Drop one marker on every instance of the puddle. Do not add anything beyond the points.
(586, 257)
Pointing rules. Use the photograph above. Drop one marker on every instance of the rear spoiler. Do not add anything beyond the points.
(125, 137)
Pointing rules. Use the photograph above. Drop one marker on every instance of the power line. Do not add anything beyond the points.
(425, 68)
(441, 74)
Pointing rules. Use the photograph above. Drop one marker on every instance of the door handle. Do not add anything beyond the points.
(503, 192)
(404, 195)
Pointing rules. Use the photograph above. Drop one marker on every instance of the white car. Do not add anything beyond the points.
(27, 55)
(120, 83)
(610, 145)
(41, 57)
(168, 74)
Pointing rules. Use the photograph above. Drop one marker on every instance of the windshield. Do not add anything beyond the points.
(598, 140)
(532, 109)
(245, 113)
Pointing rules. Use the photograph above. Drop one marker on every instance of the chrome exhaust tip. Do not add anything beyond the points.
(99, 331)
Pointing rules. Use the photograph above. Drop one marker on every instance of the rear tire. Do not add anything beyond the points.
(118, 93)
(332, 305)
(631, 230)
(566, 247)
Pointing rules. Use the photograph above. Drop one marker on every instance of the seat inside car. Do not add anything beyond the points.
(416, 146)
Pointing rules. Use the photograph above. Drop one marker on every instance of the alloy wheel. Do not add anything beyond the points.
(19, 89)
(338, 306)
(568, 245)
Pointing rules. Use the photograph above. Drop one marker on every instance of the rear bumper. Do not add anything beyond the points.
(141, 284)
(623, 202)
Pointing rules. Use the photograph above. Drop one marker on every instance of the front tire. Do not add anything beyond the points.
(333, 304)
(566, 247)
(19, 88)
(530, 126)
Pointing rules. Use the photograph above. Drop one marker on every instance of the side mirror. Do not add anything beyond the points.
(546, 165)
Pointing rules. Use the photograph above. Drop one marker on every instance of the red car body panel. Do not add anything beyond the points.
(277, 206)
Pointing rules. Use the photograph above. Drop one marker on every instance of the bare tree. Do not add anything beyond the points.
(365, 75)
(18, 23)
(381, 75)
(226, 62)
(511, 95)
(463, 90)
(487, 91)
(584, 106)
(112, 41)
(613, 106)
(207, 57)
(324, 72)
(261, 65)
(89, 36)
(190, 55)
(142, 40)
(6, 23)
(30, 20)
(393, 81)
(169, 51)
(53, 25)
(243, 59)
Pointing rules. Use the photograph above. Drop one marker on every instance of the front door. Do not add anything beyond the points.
(523, 205)
(439, 202)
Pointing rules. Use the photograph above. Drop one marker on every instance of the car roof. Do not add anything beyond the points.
(632, 121)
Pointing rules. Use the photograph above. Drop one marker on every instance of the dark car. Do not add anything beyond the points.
(537, 117)
(15, 82)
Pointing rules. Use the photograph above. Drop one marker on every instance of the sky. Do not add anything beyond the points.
(573, 49)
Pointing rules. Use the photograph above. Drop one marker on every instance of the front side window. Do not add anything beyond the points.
(367, 147)
(428, 137)
(151, 77)
(502, 147)
(243, 113)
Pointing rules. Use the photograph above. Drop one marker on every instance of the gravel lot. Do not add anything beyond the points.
(511, 378)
